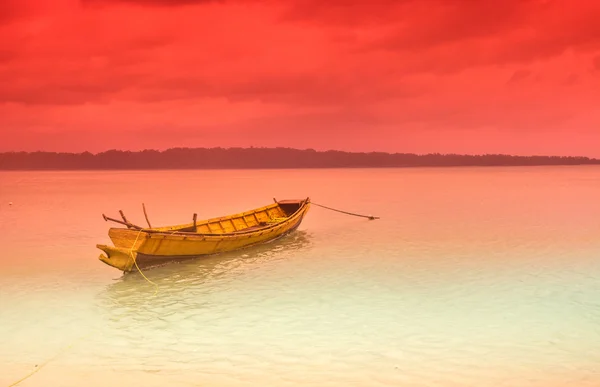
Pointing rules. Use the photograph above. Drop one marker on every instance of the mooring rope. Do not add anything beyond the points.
(136, 265)
(37, 368)
(370, 217)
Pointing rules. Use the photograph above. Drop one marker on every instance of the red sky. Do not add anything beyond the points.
(461, 76)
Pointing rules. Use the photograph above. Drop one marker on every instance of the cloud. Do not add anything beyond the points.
(9, 9)
(161, 3)
(572, 79)
(596, 63)
(190, 56)
(518, 76)
(425, 26)
(7, 55)
(462, 34)
(346, 12)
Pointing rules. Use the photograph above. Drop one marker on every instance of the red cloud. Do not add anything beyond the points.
(164, 3)
(519, 75)
(596, 63)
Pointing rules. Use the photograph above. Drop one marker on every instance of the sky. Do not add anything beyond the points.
(421, 76)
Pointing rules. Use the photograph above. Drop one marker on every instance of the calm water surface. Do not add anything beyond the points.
(472, 277)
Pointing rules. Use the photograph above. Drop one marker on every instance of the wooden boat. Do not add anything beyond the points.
(136, 247)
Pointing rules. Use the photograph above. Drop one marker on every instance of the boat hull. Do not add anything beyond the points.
(142, 249)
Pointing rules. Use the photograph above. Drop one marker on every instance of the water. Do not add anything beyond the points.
(472, 277)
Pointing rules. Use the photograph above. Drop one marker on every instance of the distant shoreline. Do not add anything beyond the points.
(283, 168)
(264, 158)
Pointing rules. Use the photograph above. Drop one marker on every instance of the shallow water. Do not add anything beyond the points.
(472, 277)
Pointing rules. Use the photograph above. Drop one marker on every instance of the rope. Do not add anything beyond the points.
(37, 369)
(370, 217)
(49, 360)
(136, 265)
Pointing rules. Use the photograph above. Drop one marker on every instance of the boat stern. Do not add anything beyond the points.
(120, 258)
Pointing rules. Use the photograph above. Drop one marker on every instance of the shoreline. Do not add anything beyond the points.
(290, 168)
(267, 158)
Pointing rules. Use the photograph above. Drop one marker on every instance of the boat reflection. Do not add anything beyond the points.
(198, 275)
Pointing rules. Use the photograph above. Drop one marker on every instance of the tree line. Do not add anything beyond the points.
(259, 158)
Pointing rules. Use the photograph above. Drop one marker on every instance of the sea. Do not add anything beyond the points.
(472, 276)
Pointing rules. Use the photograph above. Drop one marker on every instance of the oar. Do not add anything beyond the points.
(125, 223)
(146, 215)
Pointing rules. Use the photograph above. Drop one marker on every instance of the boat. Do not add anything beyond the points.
(136, 247)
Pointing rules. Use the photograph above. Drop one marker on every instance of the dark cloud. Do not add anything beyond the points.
(596, 63)
(452, 21)
(572, 79)
(304, 90)
(511, 115)
(63, 90)
(518, 76)
(315, 89)
(346, 12)
(445, 36)
(161, 3)
(49, 96)
(150, 42)
(461, 34)
(7, 55)
(97, 85)
(11, 10)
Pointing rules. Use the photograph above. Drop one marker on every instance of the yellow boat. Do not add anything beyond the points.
(136, 247)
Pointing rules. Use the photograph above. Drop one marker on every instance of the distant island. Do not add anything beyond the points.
(263, 158)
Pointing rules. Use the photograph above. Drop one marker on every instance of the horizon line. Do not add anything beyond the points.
(294, 149)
